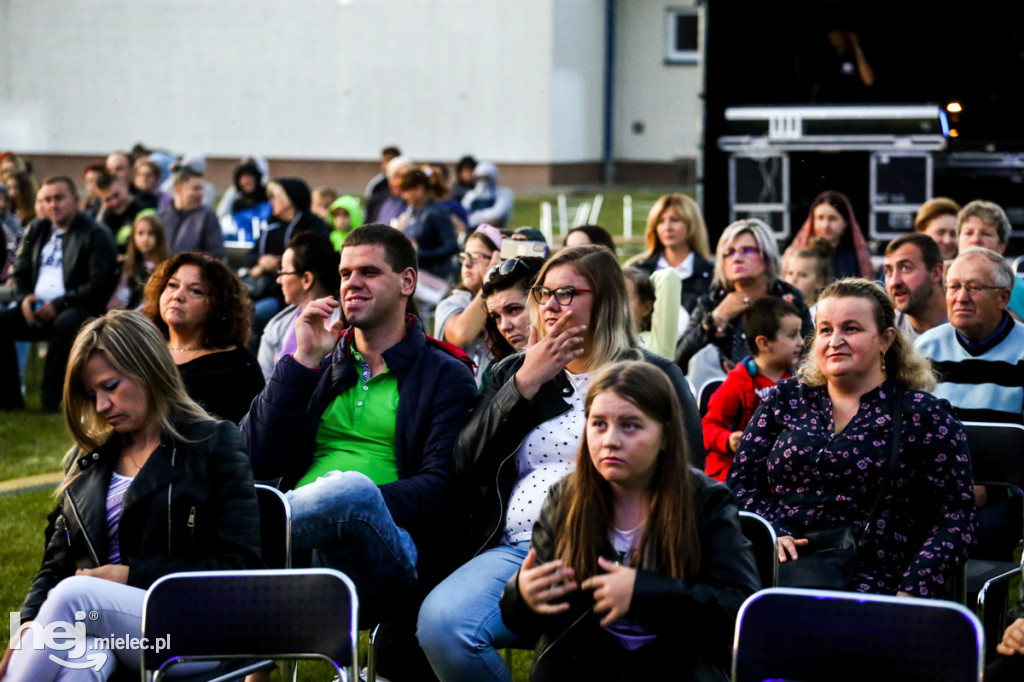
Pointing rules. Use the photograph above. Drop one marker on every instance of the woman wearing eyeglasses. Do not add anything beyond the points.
(521, 439)
(746, 268)
(202, 309)
(460, 318)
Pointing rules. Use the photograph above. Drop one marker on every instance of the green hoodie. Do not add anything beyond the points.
(350, 204)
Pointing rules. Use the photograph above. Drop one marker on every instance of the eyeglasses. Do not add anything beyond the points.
(563, 295)
(971, 288)
(742, 251)
(473, 258)
(505, 268)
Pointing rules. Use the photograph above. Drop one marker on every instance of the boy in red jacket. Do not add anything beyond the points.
(772, 328)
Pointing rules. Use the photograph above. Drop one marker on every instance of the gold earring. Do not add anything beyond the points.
(883, 362)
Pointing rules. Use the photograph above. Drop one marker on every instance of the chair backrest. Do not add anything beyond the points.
(275, 527)
(278, 614)
(706, 390)
(762, 536)
(815, 635)
(997, 452)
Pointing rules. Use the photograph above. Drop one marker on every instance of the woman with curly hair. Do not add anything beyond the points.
(203, 310)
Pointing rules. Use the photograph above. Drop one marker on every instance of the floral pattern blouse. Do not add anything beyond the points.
(792, 469)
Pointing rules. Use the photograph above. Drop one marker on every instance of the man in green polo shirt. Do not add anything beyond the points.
(359, 425)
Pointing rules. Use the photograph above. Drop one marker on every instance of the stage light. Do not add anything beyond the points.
(954, 107)
(953, 132)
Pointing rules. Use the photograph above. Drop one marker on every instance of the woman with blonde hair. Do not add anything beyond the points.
(677, 238)
(153, 486)
(746, 268)
(521, 439)
(856, 441)
(632, 548)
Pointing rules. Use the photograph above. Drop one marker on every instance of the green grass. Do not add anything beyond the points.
(23, 521)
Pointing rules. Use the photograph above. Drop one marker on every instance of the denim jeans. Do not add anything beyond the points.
(343, 516)
(460, 626)
(118, 613)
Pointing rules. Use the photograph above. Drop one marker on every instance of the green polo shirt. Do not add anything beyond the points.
(357, 430)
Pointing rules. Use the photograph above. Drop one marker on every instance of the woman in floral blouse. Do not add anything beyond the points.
(816, 452)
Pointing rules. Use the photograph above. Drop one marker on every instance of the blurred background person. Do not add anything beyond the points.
(146, 176)
(343, 216)
(426, 225)
(831, 218)
(309, 270)
(676, 237)
(189, 225)
(147, 248)
(460, 317)
(937, 219)
(487, 202)
(809, 271)
(589, 234)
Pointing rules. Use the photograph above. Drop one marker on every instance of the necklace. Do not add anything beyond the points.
(182, 349)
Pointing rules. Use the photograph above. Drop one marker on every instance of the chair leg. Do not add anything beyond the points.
(371, 656)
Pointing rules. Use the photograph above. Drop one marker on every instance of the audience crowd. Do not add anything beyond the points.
(538, 473)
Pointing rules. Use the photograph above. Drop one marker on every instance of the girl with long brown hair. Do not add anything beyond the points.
(632, 548)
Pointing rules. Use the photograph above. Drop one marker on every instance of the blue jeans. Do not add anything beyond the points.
(343, 516)
(115, 611)
(460, 626)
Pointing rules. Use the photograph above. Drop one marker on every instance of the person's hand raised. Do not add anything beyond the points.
(613, 591)
(546, 357)
(314, 338)
(541, 585)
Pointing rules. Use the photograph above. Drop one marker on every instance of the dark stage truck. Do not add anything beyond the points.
(789, 111)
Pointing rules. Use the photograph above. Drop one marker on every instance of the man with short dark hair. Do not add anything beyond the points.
(360, 428)
(64, 272)
(913, 277)
(118, 207)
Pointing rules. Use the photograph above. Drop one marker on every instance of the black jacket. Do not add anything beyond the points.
(90, 264)
(694, 286)
(732, 343)
(696, 614)
(485, 451)
(192, 507)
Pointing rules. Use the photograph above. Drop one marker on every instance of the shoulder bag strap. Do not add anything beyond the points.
(894, 453)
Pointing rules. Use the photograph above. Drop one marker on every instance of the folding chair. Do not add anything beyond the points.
(997, 459)
(762, 536)
(704, 396)
(818, 636)
(245, 615)
(275, 527)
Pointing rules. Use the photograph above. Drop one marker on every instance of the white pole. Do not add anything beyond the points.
(545, 221)
(627, 217)
(582, 211)
(563, 216)
(595, 210)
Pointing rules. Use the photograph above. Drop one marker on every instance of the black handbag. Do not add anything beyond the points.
(829, 560)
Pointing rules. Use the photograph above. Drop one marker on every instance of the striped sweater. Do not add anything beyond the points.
(984, 385)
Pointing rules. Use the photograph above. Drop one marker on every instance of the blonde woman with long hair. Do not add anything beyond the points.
(521, 439)
(153, 486)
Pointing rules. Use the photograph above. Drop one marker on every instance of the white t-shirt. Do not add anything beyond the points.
(50, 283)
(546, 456)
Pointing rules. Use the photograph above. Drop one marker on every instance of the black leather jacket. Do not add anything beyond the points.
(486, 448)
(192, 507)
(696, 614)
(89, 260)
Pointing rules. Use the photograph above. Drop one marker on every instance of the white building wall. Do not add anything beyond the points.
(313, 79)
(664, 98)
(577, 101)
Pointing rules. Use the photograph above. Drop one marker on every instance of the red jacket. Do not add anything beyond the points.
(729, 409)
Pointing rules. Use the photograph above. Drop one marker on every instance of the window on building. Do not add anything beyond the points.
(681, 31)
